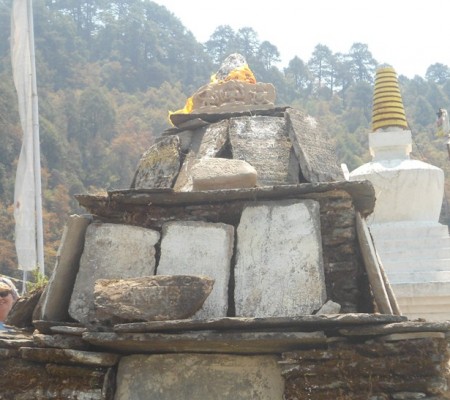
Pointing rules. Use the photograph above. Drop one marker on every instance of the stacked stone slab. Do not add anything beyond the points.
(348, 356)
(331, 208)
(291, 262)
(391, 367)
(279, 267)
(279, 245)
(284, 146)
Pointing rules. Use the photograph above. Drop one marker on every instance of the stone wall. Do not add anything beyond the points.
(345, 277)
(321, 356)
(346, 357)
(42, 367)
(391, 367)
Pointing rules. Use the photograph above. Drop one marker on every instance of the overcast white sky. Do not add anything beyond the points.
(409, 35)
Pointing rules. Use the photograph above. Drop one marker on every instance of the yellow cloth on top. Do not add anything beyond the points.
(242, 73)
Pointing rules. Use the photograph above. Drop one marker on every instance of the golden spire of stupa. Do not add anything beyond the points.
(388, 108)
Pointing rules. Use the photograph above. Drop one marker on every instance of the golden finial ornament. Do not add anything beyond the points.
(388, 108)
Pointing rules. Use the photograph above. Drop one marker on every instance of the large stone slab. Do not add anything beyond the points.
(399, 327)
(54, 302)
(264, 143)
(105, 205)
(299, 323)
(213, 140)
(200, 248)
(151, 298)
(314, 150)
(195, 377)
(279, 267)
(111, 251)
(159, 165)
(206, 342)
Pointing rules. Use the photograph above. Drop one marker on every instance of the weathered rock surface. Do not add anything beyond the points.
(314, 150)
(398, 327)
(191, 376)
(344, 269)
(159, 165)
(200, 248)
(302, 323)
(279, 268)
(406, 364)
(330, 307)
(54, 302)
(222, 173)
(69, 356)
(21, 315)
(60, 341)
(264, 143)
(206, 342)
(207, 142)
(151, 298)
(24, 380)
(368, 370)
(111, 251)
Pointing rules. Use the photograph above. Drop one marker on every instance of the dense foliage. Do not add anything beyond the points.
(109, 72)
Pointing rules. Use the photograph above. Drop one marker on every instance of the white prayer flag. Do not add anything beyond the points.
(25, 211)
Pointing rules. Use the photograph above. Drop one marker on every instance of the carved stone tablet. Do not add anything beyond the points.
(315, 152)
(233, 95)
(263, 142)
(200, 248)
(111, 251)
(279, 267)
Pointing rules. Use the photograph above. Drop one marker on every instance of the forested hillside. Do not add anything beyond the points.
(109, 72)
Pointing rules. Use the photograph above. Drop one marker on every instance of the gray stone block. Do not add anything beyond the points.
(264, 143)
(159, 165)
(111, 251)
(199, 377)
(200, 248)
(279, 267)
(315, 151)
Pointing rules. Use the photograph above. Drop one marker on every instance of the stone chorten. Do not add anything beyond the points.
(413, 246)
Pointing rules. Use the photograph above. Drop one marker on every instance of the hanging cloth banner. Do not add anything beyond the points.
(25, 186)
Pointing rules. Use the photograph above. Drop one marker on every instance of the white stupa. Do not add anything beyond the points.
(414, 248)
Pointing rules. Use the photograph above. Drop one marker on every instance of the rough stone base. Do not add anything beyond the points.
(380, 369)
(25, 380)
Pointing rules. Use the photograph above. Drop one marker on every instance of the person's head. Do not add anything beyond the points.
(8, 296)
